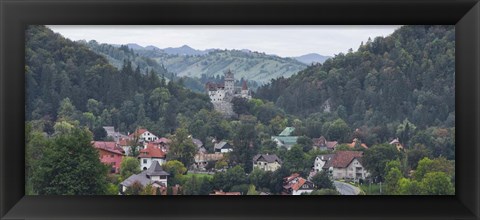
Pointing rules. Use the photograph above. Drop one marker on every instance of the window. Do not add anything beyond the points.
(144, 160)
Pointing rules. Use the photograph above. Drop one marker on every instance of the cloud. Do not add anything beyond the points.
(285, 41)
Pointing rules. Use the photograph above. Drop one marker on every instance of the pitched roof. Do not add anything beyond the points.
(319, 141)
(287, 140)
(294, 182)
(222, 145)
(322, 142)
(395, 141)
(299, 183)
(123, 142)
(352, 145)
(109, 146)
(155, 170)
(343, 158)
(326, 157)
(331, 144)
(138, 132)
(291, 177)
(144, 177)
(269, 158)
(211, 86)
(151, 152)
(197, 142)
(163, 140)
(244, 85)
(141, 178)
(110, 130)
(287, 131)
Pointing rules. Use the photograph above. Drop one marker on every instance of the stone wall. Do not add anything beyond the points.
(226, 108)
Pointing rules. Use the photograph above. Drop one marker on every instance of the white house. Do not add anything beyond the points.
(151, 154)
(222, 147)
(346, 165)
(320, 161)
(296, 185)
(267, 162)
(143, 135)
(153, 175)
(303, 186)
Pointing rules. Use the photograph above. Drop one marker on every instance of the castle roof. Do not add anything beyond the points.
(229, 75)
(211, 86)
(244, 85)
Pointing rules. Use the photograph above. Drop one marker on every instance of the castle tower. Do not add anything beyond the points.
(229, 82)
(244, 91)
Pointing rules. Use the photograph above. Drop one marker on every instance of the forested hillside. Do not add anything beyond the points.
(408, 76)
(117, 54)
(254, 66)
(66, 79)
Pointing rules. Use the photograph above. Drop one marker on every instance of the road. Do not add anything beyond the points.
(346, 189)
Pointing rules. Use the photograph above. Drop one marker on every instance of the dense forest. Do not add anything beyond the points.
(66, 79)
(405, 78)
(117, 54)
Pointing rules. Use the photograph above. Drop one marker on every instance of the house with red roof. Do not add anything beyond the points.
(296, 185)
(321, 143)
(163, 143)
(110, 153)
(143, 135)
(346, 165)
(150, 154)
(356, 143)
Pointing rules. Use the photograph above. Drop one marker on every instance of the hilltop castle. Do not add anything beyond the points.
(221, 95)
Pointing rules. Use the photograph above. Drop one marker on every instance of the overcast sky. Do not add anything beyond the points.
(285, 41)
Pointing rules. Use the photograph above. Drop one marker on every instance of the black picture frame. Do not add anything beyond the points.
(16, 14)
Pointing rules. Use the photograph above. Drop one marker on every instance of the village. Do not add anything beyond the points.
(345, 165)
(118, 127)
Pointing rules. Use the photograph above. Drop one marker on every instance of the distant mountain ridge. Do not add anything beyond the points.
(184, 50)
(312, 58)
(186, 61)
